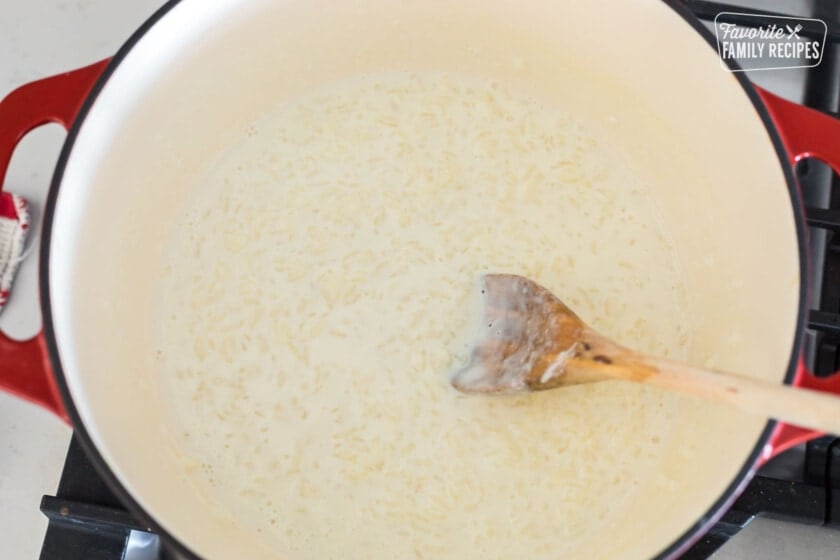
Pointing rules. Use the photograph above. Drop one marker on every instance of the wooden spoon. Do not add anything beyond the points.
(531, 341)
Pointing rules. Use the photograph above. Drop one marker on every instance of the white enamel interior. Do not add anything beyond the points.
(211, 66)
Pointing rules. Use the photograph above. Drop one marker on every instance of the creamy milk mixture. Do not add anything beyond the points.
(322, 285)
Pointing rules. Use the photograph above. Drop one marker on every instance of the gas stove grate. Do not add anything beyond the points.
(86, 520)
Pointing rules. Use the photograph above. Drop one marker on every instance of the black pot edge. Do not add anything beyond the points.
(680, 545)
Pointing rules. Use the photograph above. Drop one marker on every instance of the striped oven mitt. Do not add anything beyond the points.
(14, 222)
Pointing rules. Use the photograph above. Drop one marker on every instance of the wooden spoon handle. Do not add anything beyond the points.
(801, 407)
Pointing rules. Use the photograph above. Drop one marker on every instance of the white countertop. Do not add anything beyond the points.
(39, 38)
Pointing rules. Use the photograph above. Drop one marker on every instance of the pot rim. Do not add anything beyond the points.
(692, 534)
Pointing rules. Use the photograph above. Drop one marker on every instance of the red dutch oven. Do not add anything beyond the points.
(142, 124)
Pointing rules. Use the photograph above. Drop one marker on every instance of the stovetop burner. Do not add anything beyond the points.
(87, 522)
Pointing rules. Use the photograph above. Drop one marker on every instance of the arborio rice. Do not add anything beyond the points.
(322, 284)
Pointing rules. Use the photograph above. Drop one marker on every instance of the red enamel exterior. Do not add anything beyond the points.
(24, 366)
(786, 436)
(805, 133)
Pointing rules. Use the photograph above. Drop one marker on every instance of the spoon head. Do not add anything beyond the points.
(524, 341)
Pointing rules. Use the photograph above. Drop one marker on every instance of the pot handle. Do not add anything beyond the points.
(805, 133)
(786, 436)
(24, 365)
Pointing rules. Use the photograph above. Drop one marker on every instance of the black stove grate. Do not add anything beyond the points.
(87, 522)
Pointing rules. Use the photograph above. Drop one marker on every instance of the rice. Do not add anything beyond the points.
(322, 284)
